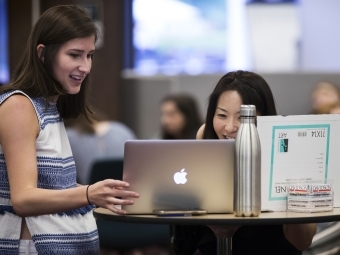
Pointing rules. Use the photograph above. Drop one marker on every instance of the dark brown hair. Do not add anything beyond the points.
(187, 105)
(56, 26)
(251, 87)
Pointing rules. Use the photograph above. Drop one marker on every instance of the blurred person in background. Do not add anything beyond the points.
(180, 117)
(324, 98)
(103, 138)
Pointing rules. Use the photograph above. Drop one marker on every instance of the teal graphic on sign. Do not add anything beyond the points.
(283, 145)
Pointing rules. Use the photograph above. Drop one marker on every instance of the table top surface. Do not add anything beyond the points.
(265, 218)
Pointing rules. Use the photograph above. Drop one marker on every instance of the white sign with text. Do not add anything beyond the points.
(298, 149)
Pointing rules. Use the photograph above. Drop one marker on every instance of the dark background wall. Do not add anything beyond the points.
(108, 62)
(19, 21)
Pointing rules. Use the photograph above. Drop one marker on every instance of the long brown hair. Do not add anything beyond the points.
(35, 77)
(251, 87)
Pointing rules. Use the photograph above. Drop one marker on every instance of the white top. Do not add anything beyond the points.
(71, 232)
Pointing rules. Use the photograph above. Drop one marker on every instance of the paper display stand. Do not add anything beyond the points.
(298, 149)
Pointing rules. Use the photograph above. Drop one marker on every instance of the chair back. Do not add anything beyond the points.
(108, 168)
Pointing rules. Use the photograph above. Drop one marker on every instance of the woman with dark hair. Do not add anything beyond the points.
(42, 208)
(222, 122)
(180, 118)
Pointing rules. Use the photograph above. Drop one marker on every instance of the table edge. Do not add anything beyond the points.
(201, 220)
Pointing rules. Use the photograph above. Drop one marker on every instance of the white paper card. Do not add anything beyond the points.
(298, 149)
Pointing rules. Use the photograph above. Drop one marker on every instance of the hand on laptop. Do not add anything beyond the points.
(224, 231)
(109, 193)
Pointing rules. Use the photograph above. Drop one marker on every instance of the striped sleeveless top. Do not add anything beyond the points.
(67, 233)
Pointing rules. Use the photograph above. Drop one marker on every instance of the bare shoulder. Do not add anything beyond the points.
(17, 112)
(16, 102)
(200, 132)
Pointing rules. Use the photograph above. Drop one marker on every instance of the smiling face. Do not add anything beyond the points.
(226, 120)
(73, 62)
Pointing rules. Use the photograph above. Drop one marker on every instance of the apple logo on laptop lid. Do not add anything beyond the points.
(180, 177)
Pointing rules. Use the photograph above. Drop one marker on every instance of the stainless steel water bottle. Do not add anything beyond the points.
(247, 176)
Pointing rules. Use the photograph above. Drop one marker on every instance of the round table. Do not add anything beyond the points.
(265, 218)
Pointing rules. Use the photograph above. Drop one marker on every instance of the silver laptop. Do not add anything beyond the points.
(180, 175)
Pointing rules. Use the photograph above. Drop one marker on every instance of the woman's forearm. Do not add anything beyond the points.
(35, 201)
(300, 235)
